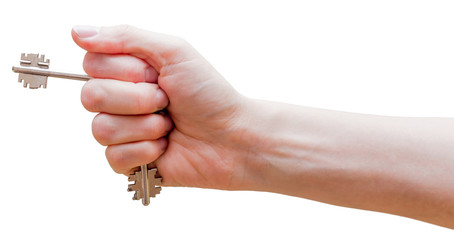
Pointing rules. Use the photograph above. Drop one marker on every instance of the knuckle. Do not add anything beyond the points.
(94, 63)
(115, 158)
(102, 130)
(176, 49)
(124, 33)
(88, 62)
(92, 97)
(124, 29)
(179, 42)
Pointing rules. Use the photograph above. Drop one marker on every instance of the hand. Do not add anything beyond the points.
(138, 73)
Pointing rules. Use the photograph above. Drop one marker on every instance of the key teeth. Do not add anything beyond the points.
(137, 185)
(132, 187)
(34, 60)
(32, 81)
(132, 177)
(135, 197)
(155, 191)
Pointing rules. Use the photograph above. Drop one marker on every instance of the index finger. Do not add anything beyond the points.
(120, 67)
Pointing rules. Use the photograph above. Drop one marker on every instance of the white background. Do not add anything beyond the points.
(390, 57)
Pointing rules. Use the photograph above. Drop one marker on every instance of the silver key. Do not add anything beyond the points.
(33, 71)
(145, 183)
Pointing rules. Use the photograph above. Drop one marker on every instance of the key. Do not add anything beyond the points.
(33, 73)
(145, 181)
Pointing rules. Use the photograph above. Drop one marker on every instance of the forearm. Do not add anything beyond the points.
(403, 166)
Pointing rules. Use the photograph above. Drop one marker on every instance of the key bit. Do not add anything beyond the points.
(145, 184)
(33, 71)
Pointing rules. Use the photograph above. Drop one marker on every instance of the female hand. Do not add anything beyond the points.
(138, 73)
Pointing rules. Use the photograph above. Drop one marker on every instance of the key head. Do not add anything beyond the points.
(32, 60)
(137, 186)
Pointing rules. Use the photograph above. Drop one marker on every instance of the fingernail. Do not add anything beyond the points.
(151, 76)
(161, 99)
(169, 123)
(83, 31)
(163, 143)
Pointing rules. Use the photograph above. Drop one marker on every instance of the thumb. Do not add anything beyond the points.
(157, 49)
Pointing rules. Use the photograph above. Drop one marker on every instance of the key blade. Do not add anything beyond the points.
(32, 81)
(34, 60)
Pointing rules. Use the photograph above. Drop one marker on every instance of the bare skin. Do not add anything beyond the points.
(213, 137)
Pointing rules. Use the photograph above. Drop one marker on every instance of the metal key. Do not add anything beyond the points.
(33, 73)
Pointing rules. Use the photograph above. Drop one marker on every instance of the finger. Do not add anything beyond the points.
(116, 129)
(120, 67)
(126, 98)
(124, 157)
(156, 49)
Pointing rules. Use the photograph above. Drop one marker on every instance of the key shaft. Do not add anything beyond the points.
(145, 185)
(43, 72)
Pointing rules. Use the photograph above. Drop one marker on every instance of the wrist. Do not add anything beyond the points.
(274, 147)
(307, 152)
